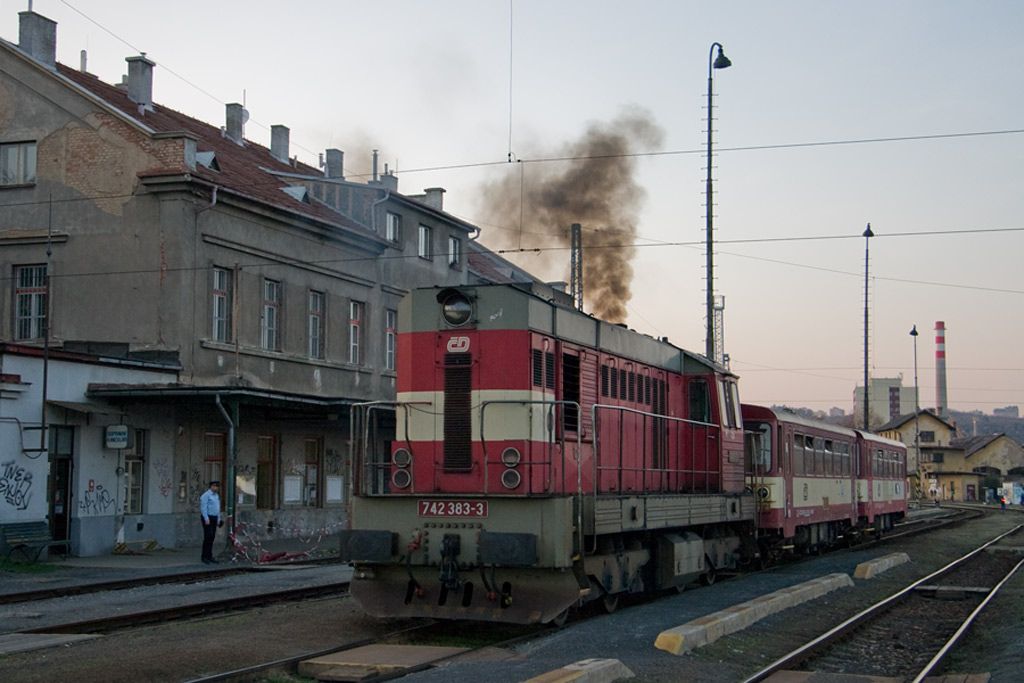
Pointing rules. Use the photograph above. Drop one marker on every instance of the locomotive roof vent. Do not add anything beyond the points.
(456, 307)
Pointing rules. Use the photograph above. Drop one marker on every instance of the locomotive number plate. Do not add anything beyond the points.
(453, 508)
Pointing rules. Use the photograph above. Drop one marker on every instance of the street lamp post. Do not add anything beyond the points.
(719, 62)
(867, 259)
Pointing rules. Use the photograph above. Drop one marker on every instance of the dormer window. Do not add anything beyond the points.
(298, 192)
(17, 163)
(208, 160)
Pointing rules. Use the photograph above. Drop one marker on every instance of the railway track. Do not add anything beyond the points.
(156, 580)
(429, 632)
(117, 622)
(906, 634)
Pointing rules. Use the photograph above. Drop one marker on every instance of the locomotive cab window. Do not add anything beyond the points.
(570, 392)
(700, 402)
(759, 447)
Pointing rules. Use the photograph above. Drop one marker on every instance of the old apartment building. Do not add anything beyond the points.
(237, 301)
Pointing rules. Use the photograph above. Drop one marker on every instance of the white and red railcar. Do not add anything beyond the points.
(542, 457)
(817, 483)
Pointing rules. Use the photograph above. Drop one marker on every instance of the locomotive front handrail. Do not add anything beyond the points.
(364, 410)
(549, 442)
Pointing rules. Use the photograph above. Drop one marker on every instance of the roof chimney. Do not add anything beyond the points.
(140, 80)
(83, 58)
(376, 152)
(279, 143)
(235, 122)
(37, 37)
(335, 164)
(389, 180)
(434, 197)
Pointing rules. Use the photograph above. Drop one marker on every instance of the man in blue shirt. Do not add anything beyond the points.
(209, 508)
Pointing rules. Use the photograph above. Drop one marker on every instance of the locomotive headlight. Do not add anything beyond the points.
(763, 492)
(511, 479)
(511, 457)
(402, 458)
(401, 479)
(456, 308)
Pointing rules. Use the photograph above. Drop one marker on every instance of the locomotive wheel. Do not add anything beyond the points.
(708, 577)
(610, 602)
(560, 618)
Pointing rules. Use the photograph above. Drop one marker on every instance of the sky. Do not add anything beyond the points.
(457, 86)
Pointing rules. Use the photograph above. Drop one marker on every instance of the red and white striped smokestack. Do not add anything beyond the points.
(940, 368)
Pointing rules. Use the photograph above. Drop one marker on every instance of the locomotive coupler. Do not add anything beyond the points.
(450, 547)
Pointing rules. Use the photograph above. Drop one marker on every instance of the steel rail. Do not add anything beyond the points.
(802, 652)
(941, 654)
(152, 580)
(178, 612)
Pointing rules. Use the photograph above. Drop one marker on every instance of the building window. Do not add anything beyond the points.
(927, 436)
(393, 228)
(316, 324)
(424, 249)
(214, 450)
(311, 490)
(270, 322)
(454, 252)
(18, 163)
(355, 331)
(221, 303)
(390, 338)
(134, 474)
(30, 285)
(266, 475)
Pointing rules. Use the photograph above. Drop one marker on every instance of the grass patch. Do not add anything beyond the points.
(16, 567)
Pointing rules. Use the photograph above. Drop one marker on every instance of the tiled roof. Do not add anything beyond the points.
(901, 420)
(973, 444)
(241, 166)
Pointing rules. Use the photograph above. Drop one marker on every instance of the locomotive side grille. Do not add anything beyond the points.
(457, 420)
(543, 367)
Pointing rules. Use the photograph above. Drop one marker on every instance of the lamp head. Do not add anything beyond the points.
(867, 232)
(721, 61)
(913, 331)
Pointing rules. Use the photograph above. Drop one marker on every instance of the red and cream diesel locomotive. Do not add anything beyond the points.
(542, 457)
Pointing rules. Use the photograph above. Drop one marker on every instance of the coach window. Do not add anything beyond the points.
(830, 467)
(700, 403)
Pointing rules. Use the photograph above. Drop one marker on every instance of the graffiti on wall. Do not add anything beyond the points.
(96, 500)
(163, 476)
(195, 489)
(15, 485)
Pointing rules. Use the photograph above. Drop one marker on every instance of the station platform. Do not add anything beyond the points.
(57, 572)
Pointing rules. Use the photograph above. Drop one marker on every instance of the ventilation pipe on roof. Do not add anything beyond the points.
(83, 58)
(279, 143)
(235, 122)
(37, 37)
(335, 164)
(140, 80)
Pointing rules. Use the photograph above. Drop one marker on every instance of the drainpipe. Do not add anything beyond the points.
(373, 210)
(229, 485)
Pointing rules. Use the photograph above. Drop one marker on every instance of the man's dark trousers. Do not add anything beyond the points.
(209, 532)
